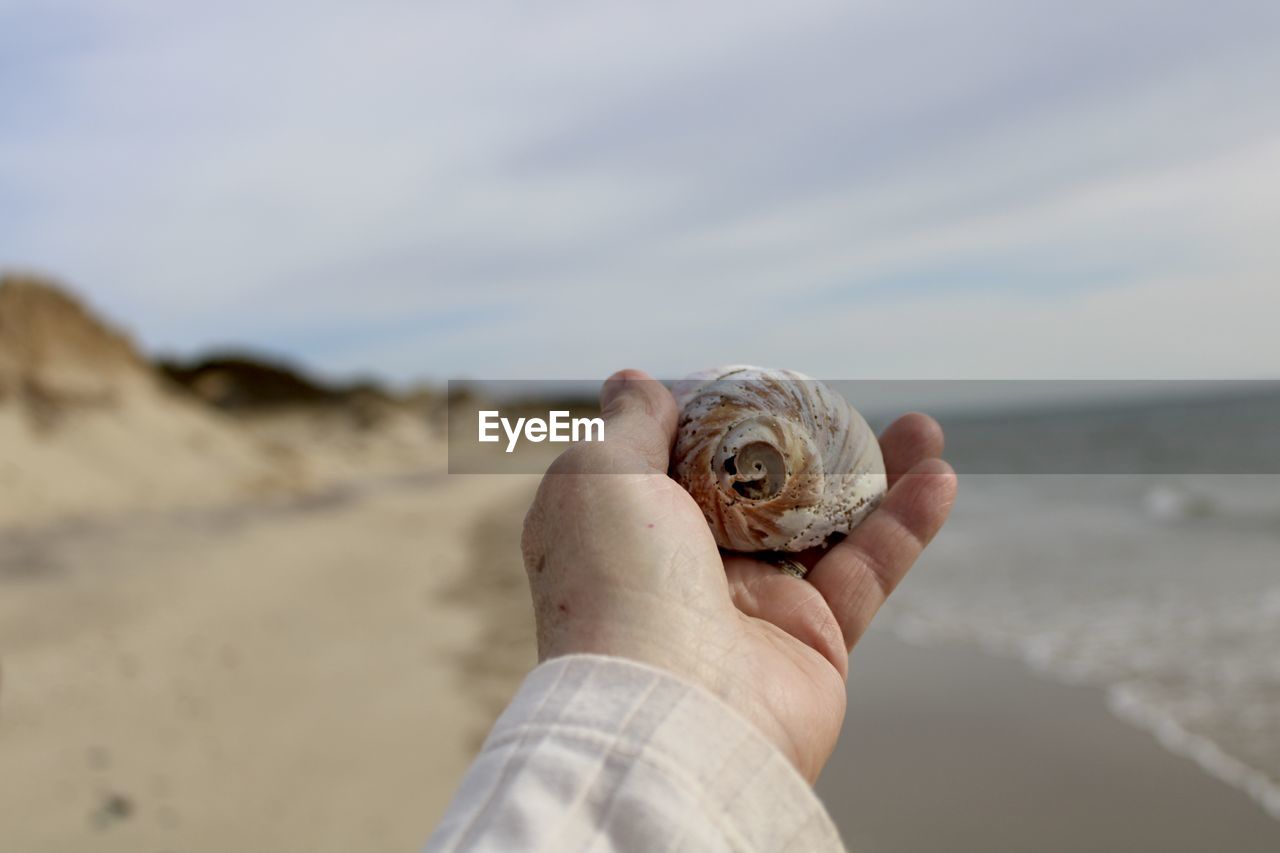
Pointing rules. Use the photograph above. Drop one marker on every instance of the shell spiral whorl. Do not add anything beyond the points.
(776, 460)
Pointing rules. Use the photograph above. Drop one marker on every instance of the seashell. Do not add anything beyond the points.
(776, 460)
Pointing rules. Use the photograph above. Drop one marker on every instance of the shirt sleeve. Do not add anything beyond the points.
(605, 754)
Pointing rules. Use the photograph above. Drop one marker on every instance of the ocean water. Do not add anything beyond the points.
(1161, 588)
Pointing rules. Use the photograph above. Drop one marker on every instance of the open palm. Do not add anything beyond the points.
(624, 564)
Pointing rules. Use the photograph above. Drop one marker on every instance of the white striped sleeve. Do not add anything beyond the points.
(605, 754)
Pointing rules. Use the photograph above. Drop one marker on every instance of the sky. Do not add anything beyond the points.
(505, 189)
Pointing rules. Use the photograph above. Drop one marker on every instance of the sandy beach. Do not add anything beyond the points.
(289, 629)
(299, 678)
(316, 677)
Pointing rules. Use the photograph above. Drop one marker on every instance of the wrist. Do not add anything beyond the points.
(677, 657)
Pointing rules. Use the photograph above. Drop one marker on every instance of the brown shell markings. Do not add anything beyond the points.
(776, 460)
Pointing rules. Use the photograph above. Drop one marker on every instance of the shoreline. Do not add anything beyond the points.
(956, 748)
(1154, 797)
(1201, 751)
(358, 650)
(1125, 705)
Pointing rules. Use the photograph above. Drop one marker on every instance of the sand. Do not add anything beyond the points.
(90, 428)
(291, 631)
(316, 676)
(951, 749)
(252, 679)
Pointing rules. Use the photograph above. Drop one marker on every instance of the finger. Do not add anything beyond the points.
(857, 575)
(760, 590)
(640, 416)
(906, 442)
(909, 440)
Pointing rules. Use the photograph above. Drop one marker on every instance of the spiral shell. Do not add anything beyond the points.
(777, 461)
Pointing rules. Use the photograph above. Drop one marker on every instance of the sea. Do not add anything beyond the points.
(1131, 546)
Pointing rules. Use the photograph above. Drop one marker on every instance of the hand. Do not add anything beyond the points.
(624, 564)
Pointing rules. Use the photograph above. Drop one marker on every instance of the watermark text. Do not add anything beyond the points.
(558, 427)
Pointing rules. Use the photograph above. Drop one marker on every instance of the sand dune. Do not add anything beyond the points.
(89, 427)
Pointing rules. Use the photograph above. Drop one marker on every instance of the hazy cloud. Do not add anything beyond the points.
(509, 189)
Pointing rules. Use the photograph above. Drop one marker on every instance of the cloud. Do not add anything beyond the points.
(503, 189)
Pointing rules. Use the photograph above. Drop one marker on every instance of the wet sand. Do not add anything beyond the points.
(951, 749)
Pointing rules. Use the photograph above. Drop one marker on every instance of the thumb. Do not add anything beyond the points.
(640, 416)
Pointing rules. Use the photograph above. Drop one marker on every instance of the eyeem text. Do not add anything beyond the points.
(558, 427)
